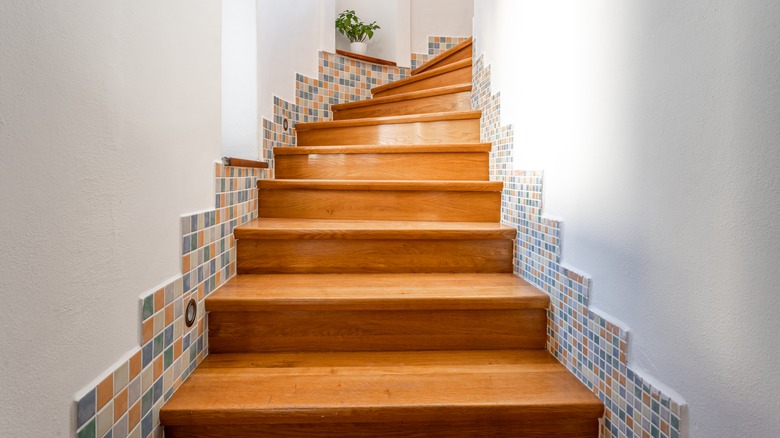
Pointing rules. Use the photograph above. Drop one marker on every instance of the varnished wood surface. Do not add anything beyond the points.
(454, 166)
(400, 205)
(535, 427)
(376, 330)
(445, 99)
(380, 388)
(451, 74)
(450, 89)
(444, 131)
(365, 58)
(391, 120)
(385, 149)
(381, 186)
(459, 52)
(285, 292)
(241, 162)
(291, 228)
(373, 256)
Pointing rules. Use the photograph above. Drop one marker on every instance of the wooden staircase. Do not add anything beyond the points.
(375, 295)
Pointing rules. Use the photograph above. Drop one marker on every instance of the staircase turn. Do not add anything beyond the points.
(375, 295)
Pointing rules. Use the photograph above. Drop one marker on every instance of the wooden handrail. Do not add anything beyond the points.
(241, 162)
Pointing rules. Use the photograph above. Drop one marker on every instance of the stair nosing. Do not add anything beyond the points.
(391, 120)
(384, 149)
(381, 185)
(412, 95)
(422, 76)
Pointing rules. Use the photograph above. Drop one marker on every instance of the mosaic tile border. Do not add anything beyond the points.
(127, 401)
(590, 346)
(339, 79)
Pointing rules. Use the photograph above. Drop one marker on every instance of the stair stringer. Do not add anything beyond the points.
(590, 346)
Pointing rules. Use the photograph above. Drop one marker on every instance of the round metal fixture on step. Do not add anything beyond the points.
(191, 312)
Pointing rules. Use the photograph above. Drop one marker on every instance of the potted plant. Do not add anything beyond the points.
(349, 25)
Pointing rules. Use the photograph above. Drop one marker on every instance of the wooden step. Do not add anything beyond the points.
(460, 201)
(376, 312)
(452, 74)
(382, 394)
(395, 162)
(454, 54)
(285, 245)
(447, 127)
(435, 100)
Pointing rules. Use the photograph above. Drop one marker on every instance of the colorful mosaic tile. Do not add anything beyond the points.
(339, 79)
(127, 401)
(591, 347)
(436, 46)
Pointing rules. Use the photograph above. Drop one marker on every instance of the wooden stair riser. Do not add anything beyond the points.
(453, 77)
(433, 132)
(445, 427)
(433, 104)
(378, 330)
(291, 256)
(462, 166)
(381, 205)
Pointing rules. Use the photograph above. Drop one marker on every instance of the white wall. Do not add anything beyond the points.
(391, 42)
(110, 125)
(439, 18)
(657, 126)
(239, 79)
(289, 36)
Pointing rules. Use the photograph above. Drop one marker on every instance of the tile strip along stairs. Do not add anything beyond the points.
(375, 294)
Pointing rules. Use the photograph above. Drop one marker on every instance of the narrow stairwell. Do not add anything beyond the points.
(375, 295)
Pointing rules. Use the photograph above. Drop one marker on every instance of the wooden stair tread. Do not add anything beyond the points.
(404, 96)
(274, 292)
(383, 149)
(294, 228)
(442, 56)
(422, 76)
(378, 387)
(380, 185)
(391, 120)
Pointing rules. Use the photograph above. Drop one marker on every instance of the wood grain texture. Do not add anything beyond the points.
(376, 330)
(450, 89)
(452, 74)
(373, 256)
(423, 205)
(390, 388)
(384, 149)
(390, 120)
(448, 131)
(424, 102)
(457, 53)
(554, 427)
(355, 229)
(400, 166)
(381, 185)
(241, 162)
(287, 292)
(360, 57)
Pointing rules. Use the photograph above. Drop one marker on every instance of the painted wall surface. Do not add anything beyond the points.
(656, 126)
(239, 79)
(388, 42)
(110, 125)
(289, 36)
(452, 18)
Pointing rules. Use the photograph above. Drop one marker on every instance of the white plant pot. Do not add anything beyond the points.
(359, 48)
